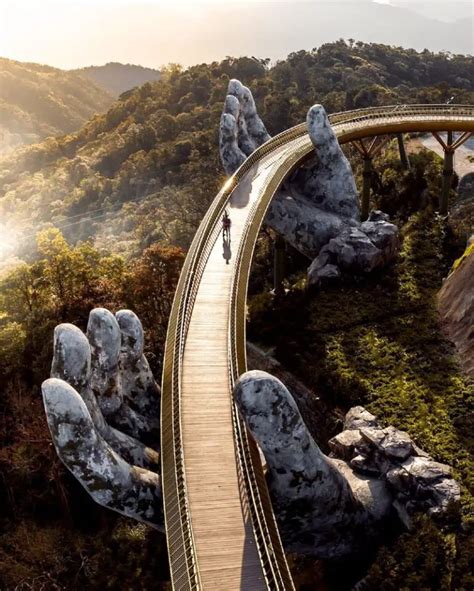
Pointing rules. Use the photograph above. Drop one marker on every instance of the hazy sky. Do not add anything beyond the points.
(75, 33)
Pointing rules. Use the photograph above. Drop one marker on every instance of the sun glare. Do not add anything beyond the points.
(8, 242)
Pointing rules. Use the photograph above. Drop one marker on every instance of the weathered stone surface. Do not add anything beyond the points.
(304, 226)
(416, 481)
(142, 395)
(119, 364)
(107, 477)
(318, 511)
(343, 445)
(241, 130)
(356, 250)
(331, 183)
(364, 465)
(249, 120)
(71, 363)
(103, 333)
(382, 234)
(426, 470)
(357, 418)
(396, 444)
(317, 209)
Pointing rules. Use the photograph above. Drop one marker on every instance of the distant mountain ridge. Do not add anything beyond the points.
(38, 101)
(154, 154)
(118, 78)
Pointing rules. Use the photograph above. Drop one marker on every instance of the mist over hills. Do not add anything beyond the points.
(153, 154)
(274, 29)
(38, 101)
(154, 34)
(117, 78)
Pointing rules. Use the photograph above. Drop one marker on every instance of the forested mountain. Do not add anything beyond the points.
(38, 101)
(156, 148)
(117, 78)
(137, 180)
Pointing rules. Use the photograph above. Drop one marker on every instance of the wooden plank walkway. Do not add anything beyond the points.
(224, 541)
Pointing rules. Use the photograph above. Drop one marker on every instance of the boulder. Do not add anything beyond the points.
(344, 444)
(357, 417)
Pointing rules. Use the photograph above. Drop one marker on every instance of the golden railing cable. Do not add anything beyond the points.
(348, 126)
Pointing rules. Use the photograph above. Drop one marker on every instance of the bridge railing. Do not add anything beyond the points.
(183, 561)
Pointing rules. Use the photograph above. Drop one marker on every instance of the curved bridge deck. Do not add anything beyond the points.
(221, 530)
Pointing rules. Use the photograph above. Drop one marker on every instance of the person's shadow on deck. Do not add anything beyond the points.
(227, 252)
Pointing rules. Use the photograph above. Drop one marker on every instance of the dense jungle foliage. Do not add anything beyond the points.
(156, 148)
(127, 192)
(39, 101)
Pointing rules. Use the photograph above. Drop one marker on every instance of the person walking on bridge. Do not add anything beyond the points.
(226, 223)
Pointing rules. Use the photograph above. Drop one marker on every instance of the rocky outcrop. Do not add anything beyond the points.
(416, 482)
(456, 309)
(372, 245)
(319, 202)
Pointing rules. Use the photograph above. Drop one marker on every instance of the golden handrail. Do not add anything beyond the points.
(348, 126)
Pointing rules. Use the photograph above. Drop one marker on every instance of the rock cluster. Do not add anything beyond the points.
(357, 250)
(319, 202)
(417, 482)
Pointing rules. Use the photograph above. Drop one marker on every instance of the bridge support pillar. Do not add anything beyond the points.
(367, 183)
(403, 154)
(279, 255)
(448, 172)
(368, 153)
(449, 148)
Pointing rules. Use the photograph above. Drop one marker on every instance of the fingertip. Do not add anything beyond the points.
(104, 334)
(132, 338)
(62, 400)
(71, 356)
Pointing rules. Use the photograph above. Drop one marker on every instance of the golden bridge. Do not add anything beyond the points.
(221, 530)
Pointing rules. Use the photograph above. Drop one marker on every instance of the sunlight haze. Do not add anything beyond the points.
(71, 33)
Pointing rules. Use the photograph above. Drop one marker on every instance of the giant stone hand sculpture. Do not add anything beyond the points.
(102, 403)
(317, 208)
(334, 506)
